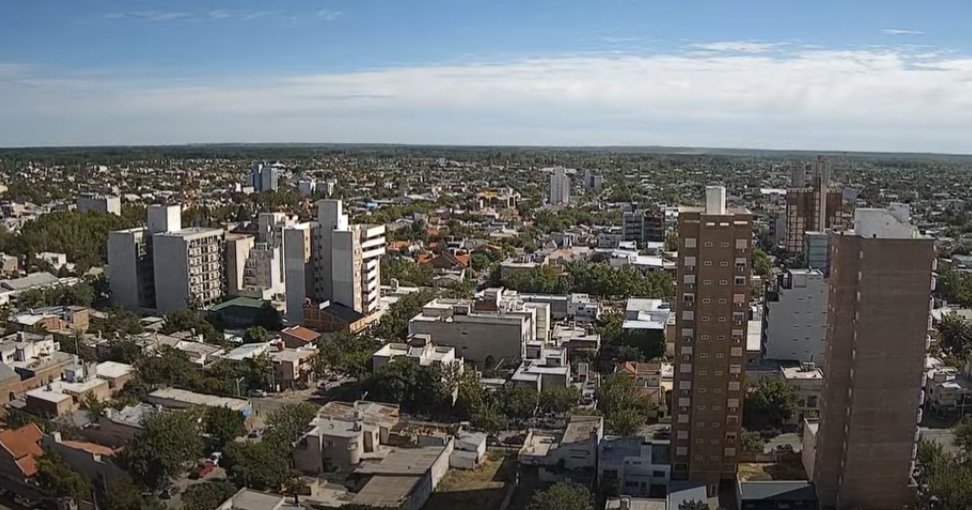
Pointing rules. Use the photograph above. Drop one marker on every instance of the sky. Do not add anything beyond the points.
(864, 75)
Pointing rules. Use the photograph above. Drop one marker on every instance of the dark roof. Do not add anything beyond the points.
(343, 313)
(680, 491)
(243, 301)
(7, 373)
(797, 490)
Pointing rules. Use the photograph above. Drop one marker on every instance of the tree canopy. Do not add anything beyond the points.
(562, 496)
(167, 444)
(769, 403)
(58, 479)
(625, 407)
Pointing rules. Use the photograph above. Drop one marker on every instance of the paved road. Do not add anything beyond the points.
(792, 439)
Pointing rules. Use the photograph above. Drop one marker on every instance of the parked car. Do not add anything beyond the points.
(258, 393)
(216, 457)
(204, 469)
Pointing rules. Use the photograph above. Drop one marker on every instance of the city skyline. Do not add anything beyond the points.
(827, 76)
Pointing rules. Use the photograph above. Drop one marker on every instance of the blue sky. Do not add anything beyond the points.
(830, 74)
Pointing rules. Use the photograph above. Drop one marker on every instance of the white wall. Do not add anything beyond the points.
(797, 323)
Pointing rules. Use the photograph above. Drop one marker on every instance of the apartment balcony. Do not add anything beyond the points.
(375, 253)
(373, 243)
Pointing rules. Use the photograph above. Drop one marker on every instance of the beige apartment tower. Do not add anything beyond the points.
(878, 308)
(714, 268)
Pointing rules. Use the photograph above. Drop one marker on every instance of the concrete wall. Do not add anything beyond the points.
(298, 270)
(475, 341)
(123, 274)
(237, 251)
(797, 322)
(171, 257)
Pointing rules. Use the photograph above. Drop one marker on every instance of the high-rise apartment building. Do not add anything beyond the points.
(338, 262)
(131, 261)
(643, 226)
(131, 270)
(812, 206)
(189, 264)
(881, 275)
(796, 317)
(100, 203)
(559, 186)
(265, 177)
(347, 263)
(714, 268)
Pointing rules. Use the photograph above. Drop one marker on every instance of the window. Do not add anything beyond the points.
(688, 315)
(688, 297)
(704, 337)
(705, 318)
(812, 401)
(703, 373)
(684, 402)
(686, 349)
(700, 408)
(723, 282)
(706, 282)
(742, 244)
(722, 319)
(706, 301)
(735, 351)
(740, 281)
(685, 368)
(704, 355)
(707, 263)
(735, 369)
(689, 261)
(683, 418)
(724, 245)
(732, 402)
(681, 450)
(724, 263)
(681, 434)
(708, 244)
(720, 355)
(689, 278)
(733, 385)
(699, 441)
(690, 242)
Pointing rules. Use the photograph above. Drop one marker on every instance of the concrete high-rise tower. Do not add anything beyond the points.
(813, 207)
(878, 308)
(714, 269)
(559, 186)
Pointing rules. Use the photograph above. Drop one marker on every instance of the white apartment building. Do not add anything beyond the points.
(100, 203)
(298, 269)
(238, 248)
(559, 186)
(263, 275)
(347, 261)
(131, 263)
(796, 317)
(484, 337)
(188, 262)
(420, 349)
(634, 466)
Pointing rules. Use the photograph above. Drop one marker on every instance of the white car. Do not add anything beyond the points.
(215, 458)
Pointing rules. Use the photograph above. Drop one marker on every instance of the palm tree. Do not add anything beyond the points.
(955, 334)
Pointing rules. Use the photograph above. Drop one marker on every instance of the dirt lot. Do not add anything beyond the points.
(483, 488)
(790, 467)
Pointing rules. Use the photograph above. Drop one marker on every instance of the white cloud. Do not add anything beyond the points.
(739, 46)
(620, 39)
(901, 31)
(329, 15)
(856, 99)
(158, 15)
(219, 14)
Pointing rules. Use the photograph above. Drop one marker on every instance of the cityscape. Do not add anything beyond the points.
(430, 255)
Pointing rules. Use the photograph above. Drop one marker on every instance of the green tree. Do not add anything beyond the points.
(406, 271)
(255, 334)
(479, 261)
(518, 401)
(562, 496)
(471, 397)
(124, 495)
(262, 466)
(207, 496)
(394, 324)
(693, 505)
(288, 423)
(963, 436)
(168, 443)
(769, 404)
(762, 265)
(489, 417)
(752, 442)
(625, 407)
(559, 399)
(57, 478)
(223, 424)
(955, 334)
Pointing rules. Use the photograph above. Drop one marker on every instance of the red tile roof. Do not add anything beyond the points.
(89, 447)
(23, 445)
(302, 333)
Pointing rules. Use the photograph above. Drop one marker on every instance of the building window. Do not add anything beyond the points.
(742, 244)
(740, 281)
(681, 450)
(707, 263)
(724, 263)
(708, 244)
(690, 242)
(688, 315)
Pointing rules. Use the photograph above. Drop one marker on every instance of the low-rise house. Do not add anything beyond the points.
(64, 396)
(651, 316)
(293, 368)
(296, 337)
(10, 387)
(385, 416)
(576, 338)
(175, 398)
(634, 466)
(94, 461)
(571, 454)
(469, 451)
(543, 367)
(115, 428)
(117, 374)
(417, 348)
(19, 450)
(807, 380)
(330, 317)
(948, 391)
(249, 499)
(776, 494)
(405, 478)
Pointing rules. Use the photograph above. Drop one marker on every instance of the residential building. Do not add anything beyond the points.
(335, 443)
(347, 259)
(238, 248)
(712, 309)
(484, 337)
(543, 367)
(405, 478)
(948, 391)
(116, 427)
(634, 466)
(293, 368)
(306, 187)
(643, 226)
(776, 494)
(175, 398)
(420, 349)
(264, 177)
(19, 450)
(813, 207)
(296, 337)
(559, 186)
(298, 269)
(796, 317)
(249, 499)
(131, 259)
(651, 317)
(263, 275)
(131, 269)
(189, 265)
(384, 416)
(879, 302)
(100, 203)
(67, 394)
(807, 382)
(570, 455)
(94, 461)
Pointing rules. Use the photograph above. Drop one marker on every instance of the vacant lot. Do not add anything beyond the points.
(482, 488)
(790, 467)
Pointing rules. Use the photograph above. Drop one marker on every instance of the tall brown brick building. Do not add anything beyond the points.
(811, 206)
(879, 300)
(714, 268)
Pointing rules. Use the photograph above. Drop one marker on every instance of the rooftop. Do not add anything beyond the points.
(189, 397)
(386, 491)
(241, 301)
(636, 503)
(247, 499)
(113, 369)
(403, 461)
(580, 428)
(796, 490)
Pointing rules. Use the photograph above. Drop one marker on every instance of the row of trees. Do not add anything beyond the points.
(595, 278)
(83, 237)
(944, 478)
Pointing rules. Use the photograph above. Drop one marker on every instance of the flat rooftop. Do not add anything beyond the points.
(403, 461)
(199, 399)
(386, 491)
